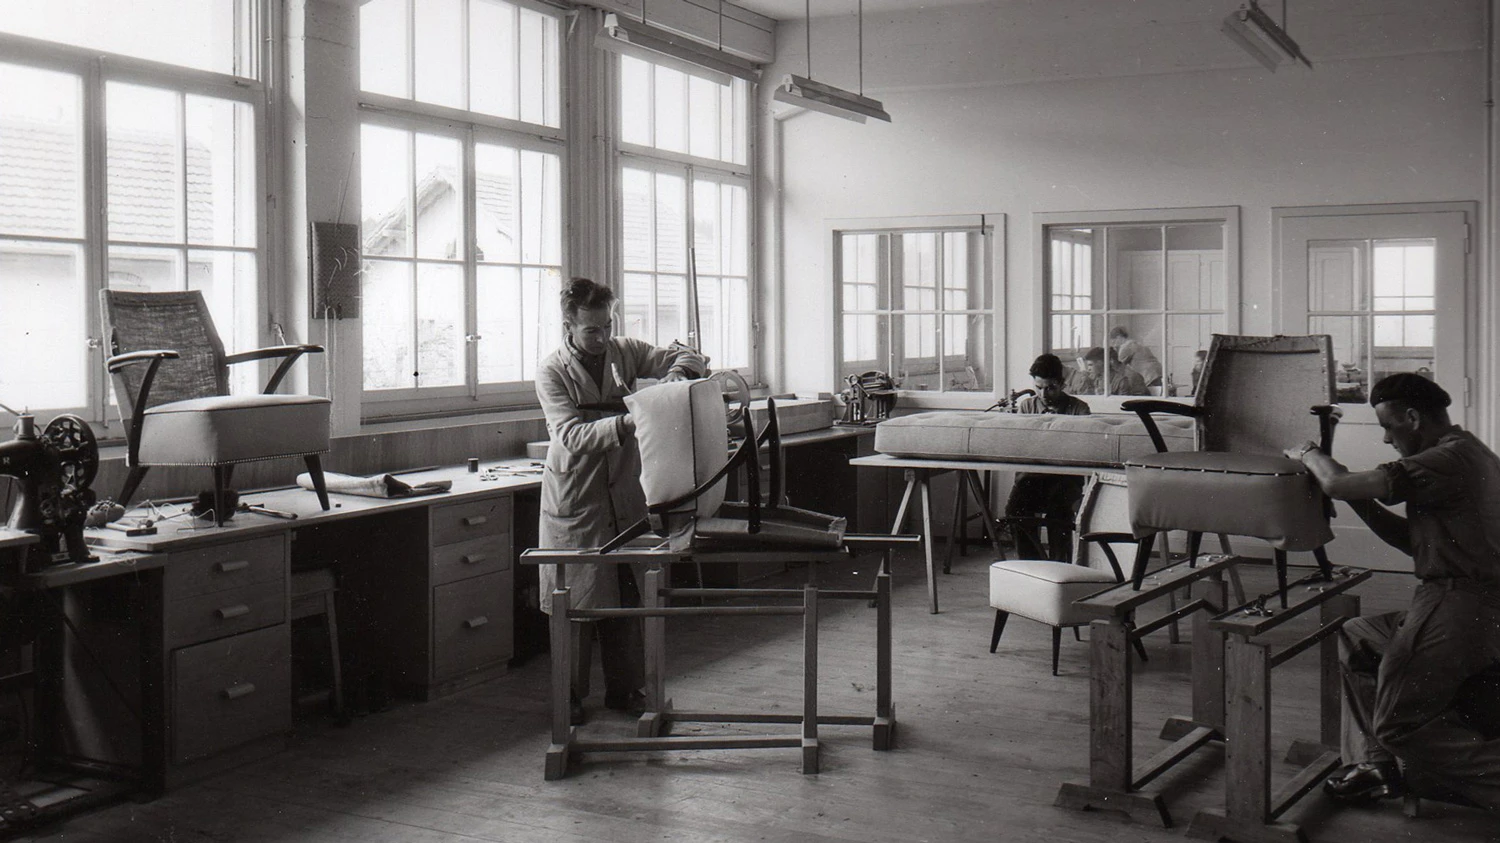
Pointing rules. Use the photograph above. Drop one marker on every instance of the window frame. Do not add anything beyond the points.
(471, 128)
(992, 230)
(638, 156)
(1043, 222)
(97, 69)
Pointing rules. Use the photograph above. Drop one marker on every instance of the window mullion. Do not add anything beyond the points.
(96, 231)
(470, 206)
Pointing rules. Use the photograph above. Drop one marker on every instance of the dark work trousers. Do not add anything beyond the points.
(1054, 496)
(622, 649)
(1406, 678)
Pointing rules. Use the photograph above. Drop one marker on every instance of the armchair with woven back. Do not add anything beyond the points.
(1256, 396)
(171, 378)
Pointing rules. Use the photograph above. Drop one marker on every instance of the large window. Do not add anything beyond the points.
(1131, 299)
(914, 301)
(461, 179)
(685, 209)
(174, 161)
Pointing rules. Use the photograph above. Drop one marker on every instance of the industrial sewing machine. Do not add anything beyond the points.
(868, 398)
(53, 471)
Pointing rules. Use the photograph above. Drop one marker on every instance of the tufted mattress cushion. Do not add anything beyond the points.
(1265, 497)
(1044, 591)
(226, 429)
(1065, 440)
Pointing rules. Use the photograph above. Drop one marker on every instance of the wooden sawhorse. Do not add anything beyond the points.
(1251, 810)
(1114, 782)
(652, 728)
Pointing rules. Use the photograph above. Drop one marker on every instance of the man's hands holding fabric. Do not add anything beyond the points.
(1297, 452)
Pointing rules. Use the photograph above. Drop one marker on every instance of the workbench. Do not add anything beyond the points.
(425, 603)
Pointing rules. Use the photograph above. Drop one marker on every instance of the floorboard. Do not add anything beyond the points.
(984, 741)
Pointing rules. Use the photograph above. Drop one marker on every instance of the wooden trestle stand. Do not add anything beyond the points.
(652, 728)
(1251, 809)
(1114, 783)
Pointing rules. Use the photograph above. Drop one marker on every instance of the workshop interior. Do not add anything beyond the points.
(1088, 383)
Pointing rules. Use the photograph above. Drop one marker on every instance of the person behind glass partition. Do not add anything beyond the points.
(1089, 380)
(1135, 355)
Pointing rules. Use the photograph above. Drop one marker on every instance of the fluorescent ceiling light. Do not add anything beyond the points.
(623, 35)
(1251, 28)
(798, 90)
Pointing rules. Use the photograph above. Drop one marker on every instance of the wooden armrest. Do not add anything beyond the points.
(129, 358)
(271, 352)
(1105, 537)
(288, 353)
(1158, 405)
(1144, 407)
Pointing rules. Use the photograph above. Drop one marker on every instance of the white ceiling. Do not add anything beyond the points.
(797, 9)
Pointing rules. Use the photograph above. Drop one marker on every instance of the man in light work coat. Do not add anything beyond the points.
(1416, 682)
(591, 488)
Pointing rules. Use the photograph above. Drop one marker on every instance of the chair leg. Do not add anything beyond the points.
(1077, 636)
(1281, 575)
(221, 485)
(315, 470)
(1140, 648)
(1000, 618)
(1056, 646)
(132, 482)
(1142, 556)
(1325, 567)
(1195, 542)
(331, 623)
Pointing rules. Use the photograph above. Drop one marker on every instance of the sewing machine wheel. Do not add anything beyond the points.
(736, 394)
(76, 448)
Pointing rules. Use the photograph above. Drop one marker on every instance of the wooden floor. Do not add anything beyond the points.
(983, 743)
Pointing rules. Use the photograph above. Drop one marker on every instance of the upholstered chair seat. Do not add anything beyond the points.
(226, 429)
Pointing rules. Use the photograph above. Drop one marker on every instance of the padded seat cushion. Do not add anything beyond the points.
(684, 440)
(1045, 591)
(1265, 497)
(225, 429)
(1046, 438)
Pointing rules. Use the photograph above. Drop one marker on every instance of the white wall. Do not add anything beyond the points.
(1069, 105)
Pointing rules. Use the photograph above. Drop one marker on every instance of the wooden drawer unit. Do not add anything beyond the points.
(231, 691)
(224, 613)
(222, 567)
(471, 624)
(465, 559)
(456, 522)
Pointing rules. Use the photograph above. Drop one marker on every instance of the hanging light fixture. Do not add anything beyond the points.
(1264, 39)
(803, 91)
(642, 40)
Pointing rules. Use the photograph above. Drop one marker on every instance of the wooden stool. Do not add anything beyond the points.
(313, 593)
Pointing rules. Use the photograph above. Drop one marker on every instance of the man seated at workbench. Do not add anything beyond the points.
(1410, 677)
(1055, 497)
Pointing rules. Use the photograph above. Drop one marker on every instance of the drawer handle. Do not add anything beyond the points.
(475, 623)
(476, 558)
(229, 612)
(475, 520)
(231, 567)
(234, 692)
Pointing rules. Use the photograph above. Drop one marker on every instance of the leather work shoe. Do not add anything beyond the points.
(576, 715)
(633, 703)
(1366, 783)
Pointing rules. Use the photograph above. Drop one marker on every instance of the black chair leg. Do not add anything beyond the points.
(1077, 636)
(1056, 646)
(1140, 649)
(1281, 575)
(1325, 567)
(221, 499)
(315, 470)
(1142, 556)
(132, 482)
(1195, 541)
(1000, 618)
